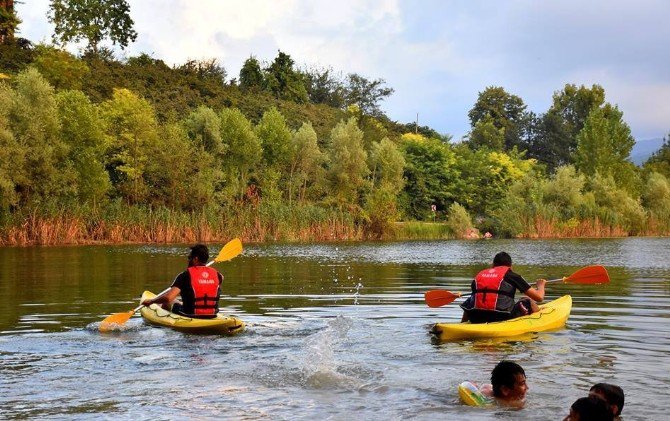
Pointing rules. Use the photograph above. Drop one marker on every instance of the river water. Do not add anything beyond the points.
(335, 331)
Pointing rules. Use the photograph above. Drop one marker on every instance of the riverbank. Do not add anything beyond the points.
(123, 225)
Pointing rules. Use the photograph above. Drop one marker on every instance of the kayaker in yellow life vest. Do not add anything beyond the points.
(493, 290)
(199, 287)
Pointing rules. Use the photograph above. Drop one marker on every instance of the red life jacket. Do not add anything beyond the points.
(490, 286)
(205, 284)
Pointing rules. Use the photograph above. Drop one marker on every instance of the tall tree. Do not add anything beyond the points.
(347, 163)
(243, 153)
(306, 171)
(659, 161)
(284, 81)
(323, 87)
(82, 130)
(430, 173)
(366, 94)
(8, 21)
(251, 75)
(505, 111)
(604, 146)
(552, 138)
(93, 21)
(131, 123)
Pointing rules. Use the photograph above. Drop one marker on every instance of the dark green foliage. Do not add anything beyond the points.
(283, 81)
(8, 21)
(660, 161)
(93, 21)
(251, 75)
(16, 55)
(504, 111)
(366, 94)
(430, 175)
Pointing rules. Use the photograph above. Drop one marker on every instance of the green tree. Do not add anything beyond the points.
(506, 111)
(484, 177)
(8, 21)
(381, 203)
(659, 161)
(251, 75)
(604, 146)
(93, 21)
(347, 163)
(12, 155)
(459, 220)
(33, 119)
(283, 81)
(366, 94)
(486, 135)
(306, 169)
(203, 127)
(324, 88)
(275, 138)
(552, 138)
(180, 172)
(549, 140)
(60, 68)
(82, 129)
(243, 153)
(430, 175)
(656, 198)
(574, 104)
(131, 124)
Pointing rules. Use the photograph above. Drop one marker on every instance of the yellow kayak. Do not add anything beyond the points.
(223, 325)
(552, 315)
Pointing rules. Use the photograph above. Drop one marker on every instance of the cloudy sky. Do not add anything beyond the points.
(437, 55)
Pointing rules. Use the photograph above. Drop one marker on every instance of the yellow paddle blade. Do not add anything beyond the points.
(232, 249)
(115, 320)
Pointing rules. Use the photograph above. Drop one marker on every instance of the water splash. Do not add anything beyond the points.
(357, 293)
(319, 365)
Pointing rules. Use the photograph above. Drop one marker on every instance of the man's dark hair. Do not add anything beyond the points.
(592, 408)
(502, 259)
(504, 374)
(613, 394)
(201, 252)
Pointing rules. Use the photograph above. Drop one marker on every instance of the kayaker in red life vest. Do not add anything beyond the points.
(199, 287)
(493, 290)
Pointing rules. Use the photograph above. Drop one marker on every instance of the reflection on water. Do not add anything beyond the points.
(333, 330)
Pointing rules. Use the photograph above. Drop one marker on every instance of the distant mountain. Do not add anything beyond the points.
(644, 148)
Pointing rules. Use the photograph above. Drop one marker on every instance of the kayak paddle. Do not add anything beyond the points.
(588, 275)
(232, 249)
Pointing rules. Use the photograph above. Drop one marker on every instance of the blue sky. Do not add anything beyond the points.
(437, 55)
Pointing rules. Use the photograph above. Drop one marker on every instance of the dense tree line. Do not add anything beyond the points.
(86, 135)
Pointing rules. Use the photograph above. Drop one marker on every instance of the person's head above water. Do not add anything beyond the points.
(610, 393)
(508, 381)
(591, 408)
(502, 259)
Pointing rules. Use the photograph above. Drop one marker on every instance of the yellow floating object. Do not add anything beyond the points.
(223, 325)
(470, 395)
(552, 315)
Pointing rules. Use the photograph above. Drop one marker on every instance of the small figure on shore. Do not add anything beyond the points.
(611, 394)
(487, 235)
(591, 408)
(493, 290)
(199, 287)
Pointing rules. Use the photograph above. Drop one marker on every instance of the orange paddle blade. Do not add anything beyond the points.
(439, 298)
(115, 320)
(589, 275)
